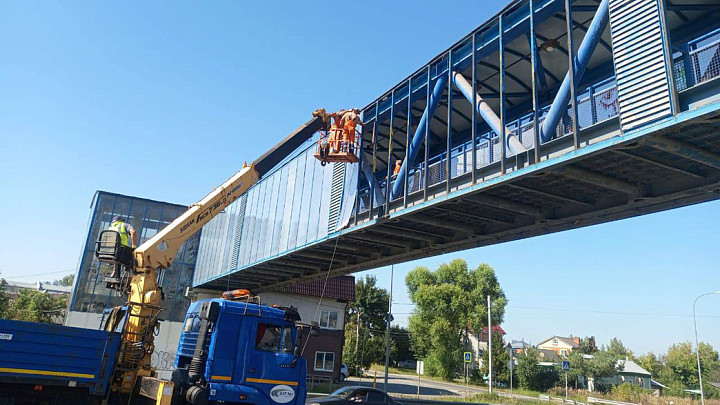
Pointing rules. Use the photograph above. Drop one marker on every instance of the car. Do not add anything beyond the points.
(407, 364)
(355, 395)
(344, 373)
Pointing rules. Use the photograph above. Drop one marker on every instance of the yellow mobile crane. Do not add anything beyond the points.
(139, 268)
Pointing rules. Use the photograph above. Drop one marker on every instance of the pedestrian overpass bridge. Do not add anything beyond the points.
(499, 140)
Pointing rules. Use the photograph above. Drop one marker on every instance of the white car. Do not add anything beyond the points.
(344, 372)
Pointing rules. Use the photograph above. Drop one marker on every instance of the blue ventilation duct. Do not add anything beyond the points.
(419, 135)
(582, 59)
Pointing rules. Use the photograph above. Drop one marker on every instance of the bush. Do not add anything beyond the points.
(627, 392)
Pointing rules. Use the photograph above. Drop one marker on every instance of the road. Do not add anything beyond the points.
(408, 385)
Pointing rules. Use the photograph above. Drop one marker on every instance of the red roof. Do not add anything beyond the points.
(496, 329)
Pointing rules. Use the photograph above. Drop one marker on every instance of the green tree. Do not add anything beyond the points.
(369, 310)
(4, 300)
(500, 359)
(587, 345)
(618, 350)
(528, 369)
(449, 303)
(651, 363)
(599, 365)
(400, 349)
(681, 362)
(66, 281)
(37, 306)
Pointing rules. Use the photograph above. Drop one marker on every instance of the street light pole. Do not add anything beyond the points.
(387, 332)
(697, 345)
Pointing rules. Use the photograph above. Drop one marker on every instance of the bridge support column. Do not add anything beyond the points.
(585, 51)
(482, 108)
(419, 135)
(374, 186)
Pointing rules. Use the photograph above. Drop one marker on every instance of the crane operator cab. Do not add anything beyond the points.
(338, 142)
(110, 249)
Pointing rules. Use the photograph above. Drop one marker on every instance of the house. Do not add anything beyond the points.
(478, 342)
(13, 288)
(631, 373)
(517, 347)
(560, 345)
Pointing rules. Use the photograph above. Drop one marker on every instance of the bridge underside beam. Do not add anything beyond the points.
(684, 150)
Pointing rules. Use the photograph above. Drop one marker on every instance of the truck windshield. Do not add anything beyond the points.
(192, 323)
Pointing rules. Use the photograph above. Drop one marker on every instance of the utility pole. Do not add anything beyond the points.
(357, 341)
(387, 331)
(490, 376)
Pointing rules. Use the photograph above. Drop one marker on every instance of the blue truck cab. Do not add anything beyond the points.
(239, 352)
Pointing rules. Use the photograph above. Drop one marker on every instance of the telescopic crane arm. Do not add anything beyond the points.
(144, 294)
(160, 250)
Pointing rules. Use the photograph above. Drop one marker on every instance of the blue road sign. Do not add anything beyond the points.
(468, 357)
(566, 365)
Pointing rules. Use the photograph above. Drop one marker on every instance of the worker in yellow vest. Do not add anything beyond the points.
(127, 235)
(126, 231)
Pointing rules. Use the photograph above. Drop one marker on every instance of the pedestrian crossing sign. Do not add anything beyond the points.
(468, 357)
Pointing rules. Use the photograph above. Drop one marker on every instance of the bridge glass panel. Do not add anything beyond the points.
(147, 217)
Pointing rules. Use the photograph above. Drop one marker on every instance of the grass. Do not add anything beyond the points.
(393, 370)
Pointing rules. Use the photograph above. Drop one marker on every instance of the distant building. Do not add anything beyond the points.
(631, 373)
(478, 342)
(517, 347)
(560, 345)
(13, 288)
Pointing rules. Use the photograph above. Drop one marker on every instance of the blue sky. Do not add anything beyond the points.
(165, 100)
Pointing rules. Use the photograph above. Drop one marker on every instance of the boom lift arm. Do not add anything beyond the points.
(144, 294)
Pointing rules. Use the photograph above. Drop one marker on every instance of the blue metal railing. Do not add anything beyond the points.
(699, 62)
(596, 104)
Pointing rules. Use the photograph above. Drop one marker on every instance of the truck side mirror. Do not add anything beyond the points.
(314, 328)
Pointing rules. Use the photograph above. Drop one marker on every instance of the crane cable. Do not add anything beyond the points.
(327, 277)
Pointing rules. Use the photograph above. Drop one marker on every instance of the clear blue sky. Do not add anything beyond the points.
(164, 100)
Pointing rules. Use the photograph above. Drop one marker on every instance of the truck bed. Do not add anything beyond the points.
(42, 354)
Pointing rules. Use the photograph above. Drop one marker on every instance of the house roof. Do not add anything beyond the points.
(495, 328)
(567, 340)
(547, 355)
(39, 286)
(630, 367)
(655, 384)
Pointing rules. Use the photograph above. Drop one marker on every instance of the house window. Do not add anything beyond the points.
(555, 342)
(324, 361)
(328, 319)
(563, 352)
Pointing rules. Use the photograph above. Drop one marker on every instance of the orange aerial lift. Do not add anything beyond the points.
(337, 142)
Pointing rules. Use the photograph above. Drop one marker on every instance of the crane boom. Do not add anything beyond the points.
(160, 250)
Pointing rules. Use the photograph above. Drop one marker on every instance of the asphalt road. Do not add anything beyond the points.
(408, 385)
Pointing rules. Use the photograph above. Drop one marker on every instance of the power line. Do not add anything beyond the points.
(40, 274)
(610, 312)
